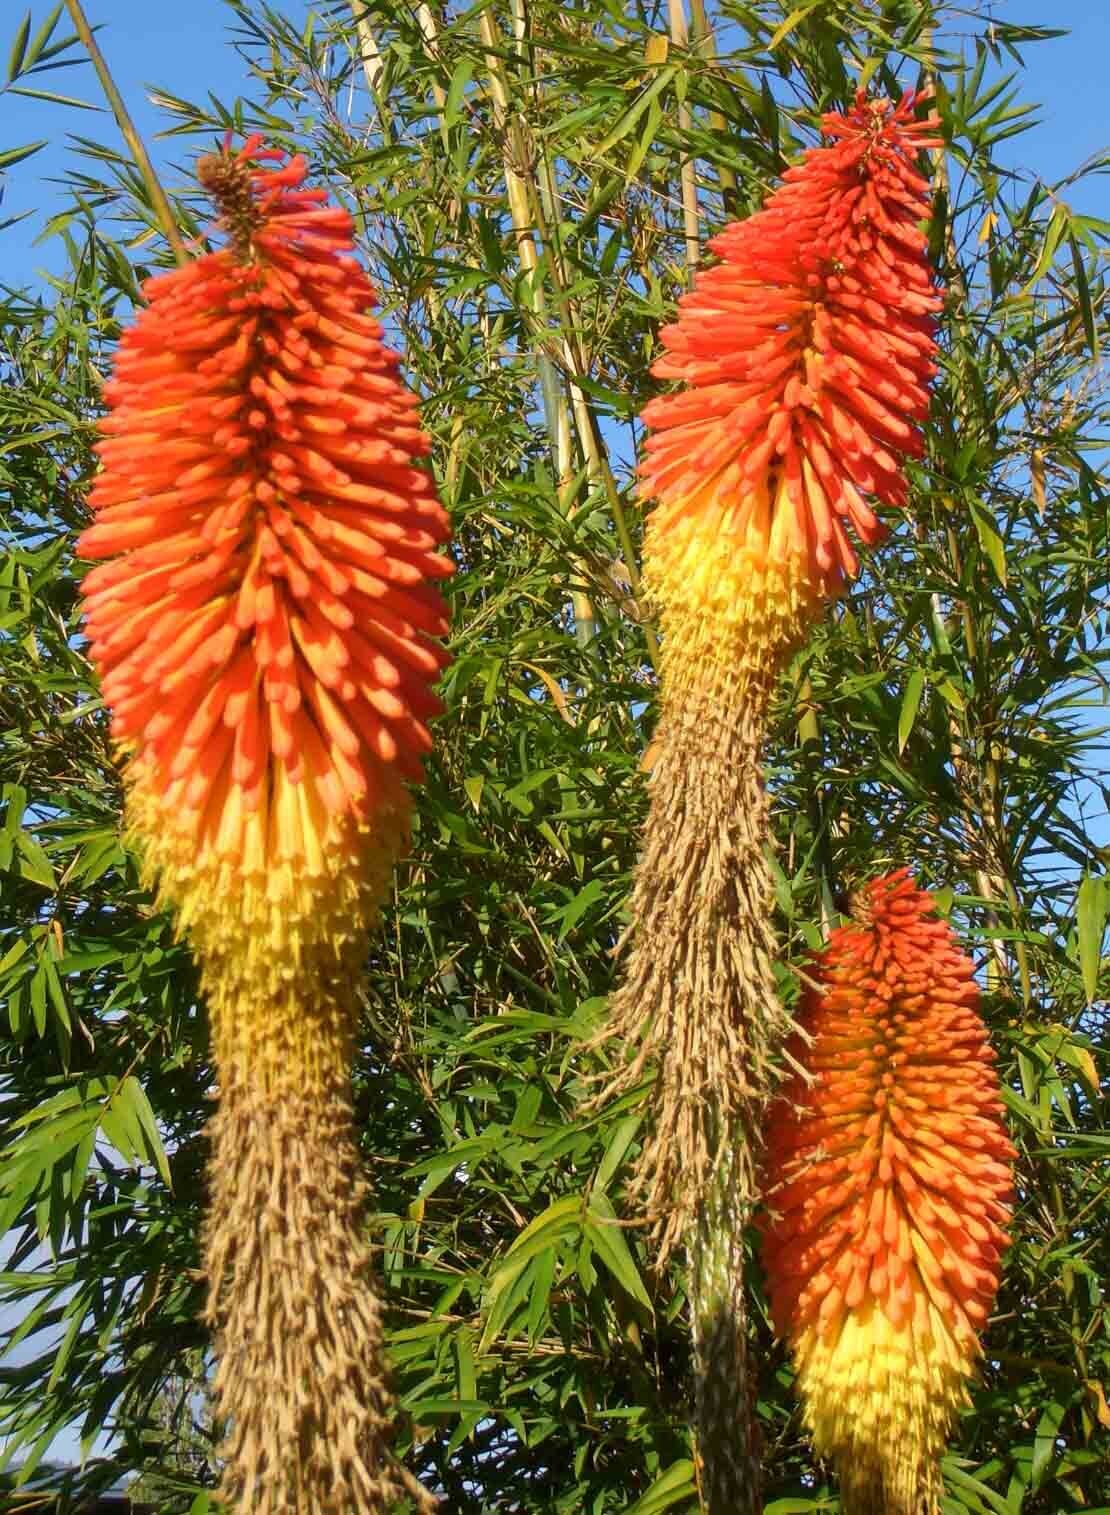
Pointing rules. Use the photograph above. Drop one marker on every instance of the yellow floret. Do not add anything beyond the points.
(880, 1400)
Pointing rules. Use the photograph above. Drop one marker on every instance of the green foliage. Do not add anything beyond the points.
(517, 177)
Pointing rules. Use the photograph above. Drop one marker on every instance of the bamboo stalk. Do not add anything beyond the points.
(705, 44)
(369, 52)
(977, 824)
(688, 177)
(427, 23)
(130, 135)
(520, 211)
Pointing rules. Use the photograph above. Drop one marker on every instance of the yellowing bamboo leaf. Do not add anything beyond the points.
(657, 48)
(1102, 1409)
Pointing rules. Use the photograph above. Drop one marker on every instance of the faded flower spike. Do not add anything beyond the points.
(807, 353)
(888, 1178)
(265, 632)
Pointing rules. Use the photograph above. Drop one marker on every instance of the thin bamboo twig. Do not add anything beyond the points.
(130, 135)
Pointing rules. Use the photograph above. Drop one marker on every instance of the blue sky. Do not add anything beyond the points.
(186, 49)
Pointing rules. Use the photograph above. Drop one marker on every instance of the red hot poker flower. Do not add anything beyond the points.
(808, 352)
(264, 627)
(265, 634)
(887, 1181)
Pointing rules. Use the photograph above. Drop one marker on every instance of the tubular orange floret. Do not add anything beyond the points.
(888, 1177)
(807, 352)
(264, 519)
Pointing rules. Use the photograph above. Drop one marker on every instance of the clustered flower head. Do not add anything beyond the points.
(264, 626)
(807, 353)
(887, 1180)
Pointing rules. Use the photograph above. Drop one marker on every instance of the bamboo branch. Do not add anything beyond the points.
(130, 135)
(688, 173)
(520, 210)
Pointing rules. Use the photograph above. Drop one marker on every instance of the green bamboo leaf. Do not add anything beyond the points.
(1090, 919)
(35, 864)
(19, 48)
(38, 998)
(631, 116)
(1083, 293)
(966, 1483)
(618, 1144)
(34, 93)
(463, 74)
(42, 37)
(989, 539)
(508, 1290)
(17, 154)
(561, 1217)
(443, 1164)
(608, 1241)
(1045, 1450)
(149, 1143)
(674, 1487)
(795, 18)
(952, 695)
(14, 954)
(911, 702)
(539, 1300)
(1058, 227)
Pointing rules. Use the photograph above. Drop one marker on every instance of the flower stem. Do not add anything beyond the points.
(727, 1455)
(127, 127)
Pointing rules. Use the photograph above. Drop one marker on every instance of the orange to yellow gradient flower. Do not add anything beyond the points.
(264, 625)
(806, 353)
(888, 1178)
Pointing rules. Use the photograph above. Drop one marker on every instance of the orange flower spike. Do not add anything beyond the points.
(888, 1177)
(258, 502)
(808, 351)
(264, 628)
